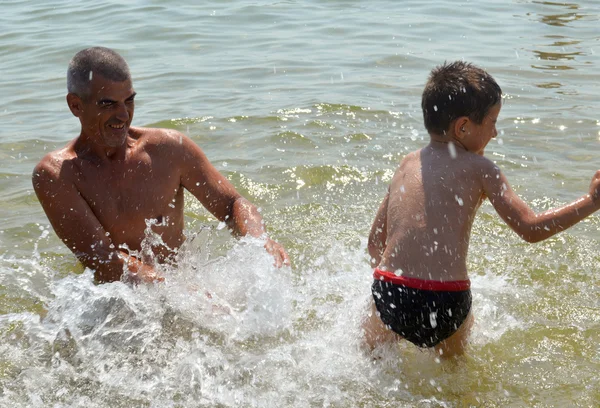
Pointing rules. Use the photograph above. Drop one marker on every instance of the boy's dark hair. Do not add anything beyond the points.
(95, 61)
(457, 89)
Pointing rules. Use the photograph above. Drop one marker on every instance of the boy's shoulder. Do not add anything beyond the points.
(478, 166)
(411, 157)
(450, 158)
(409, 163)
(483, 164)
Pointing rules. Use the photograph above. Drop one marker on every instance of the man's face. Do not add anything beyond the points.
(107, 112)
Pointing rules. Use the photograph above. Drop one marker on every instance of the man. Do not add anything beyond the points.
(103, 188)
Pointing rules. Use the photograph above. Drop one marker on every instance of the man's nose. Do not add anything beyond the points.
(122, 112)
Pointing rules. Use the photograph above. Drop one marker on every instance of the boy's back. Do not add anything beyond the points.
(420, 237)
(432, 202)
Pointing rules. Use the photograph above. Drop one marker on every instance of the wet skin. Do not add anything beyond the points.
(424, 222)
(423, 225)
(101, 189)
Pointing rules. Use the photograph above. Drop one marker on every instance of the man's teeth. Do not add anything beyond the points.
(117, 126)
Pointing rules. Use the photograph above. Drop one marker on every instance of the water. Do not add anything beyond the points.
(307, 107)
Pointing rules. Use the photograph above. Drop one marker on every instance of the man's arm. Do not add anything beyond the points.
(378, 234)
(523, 220)
(220, 197)
(77, 226)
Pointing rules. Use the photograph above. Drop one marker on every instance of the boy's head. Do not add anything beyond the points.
(457, 89)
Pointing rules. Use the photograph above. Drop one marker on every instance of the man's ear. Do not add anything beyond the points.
(461, 127)
(75, 104)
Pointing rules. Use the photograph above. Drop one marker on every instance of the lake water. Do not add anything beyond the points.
(307, 107)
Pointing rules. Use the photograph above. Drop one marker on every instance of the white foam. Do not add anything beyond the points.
(492, 320)
(266, 337)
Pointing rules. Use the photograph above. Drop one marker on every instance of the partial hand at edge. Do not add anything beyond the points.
(595, 188)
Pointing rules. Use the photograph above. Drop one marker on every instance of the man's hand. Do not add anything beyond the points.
(142, 273)
(277, 251)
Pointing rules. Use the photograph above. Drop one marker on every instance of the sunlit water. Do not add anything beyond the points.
(307, 107)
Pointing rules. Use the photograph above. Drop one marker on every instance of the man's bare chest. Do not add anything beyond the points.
(131, 191)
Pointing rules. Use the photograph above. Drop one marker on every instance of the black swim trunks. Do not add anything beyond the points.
(422, 316)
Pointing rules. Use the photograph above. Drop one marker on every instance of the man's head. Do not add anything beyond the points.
(101, 95)
(455, 90)
(95, 61)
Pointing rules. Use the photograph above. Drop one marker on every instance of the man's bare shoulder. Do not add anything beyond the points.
(54, 165)
(164, 142)
(157, 136)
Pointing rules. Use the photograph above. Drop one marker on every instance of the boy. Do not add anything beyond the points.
(420, 237)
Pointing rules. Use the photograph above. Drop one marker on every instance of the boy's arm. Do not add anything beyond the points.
(378, 234)
(523, 220)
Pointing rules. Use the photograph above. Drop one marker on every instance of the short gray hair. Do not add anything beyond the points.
(95, 61)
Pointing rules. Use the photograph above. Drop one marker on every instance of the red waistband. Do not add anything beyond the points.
(414, 283)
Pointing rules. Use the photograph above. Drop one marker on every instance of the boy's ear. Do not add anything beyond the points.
(461, 127)
(75, 104)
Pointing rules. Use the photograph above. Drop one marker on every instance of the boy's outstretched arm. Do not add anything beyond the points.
(378, 234)
(523, 220)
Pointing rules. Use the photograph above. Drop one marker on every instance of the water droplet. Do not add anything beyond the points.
(413, 134)
(433, 319)
(452, 150)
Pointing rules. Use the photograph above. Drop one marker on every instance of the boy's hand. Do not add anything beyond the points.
(595, 188)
